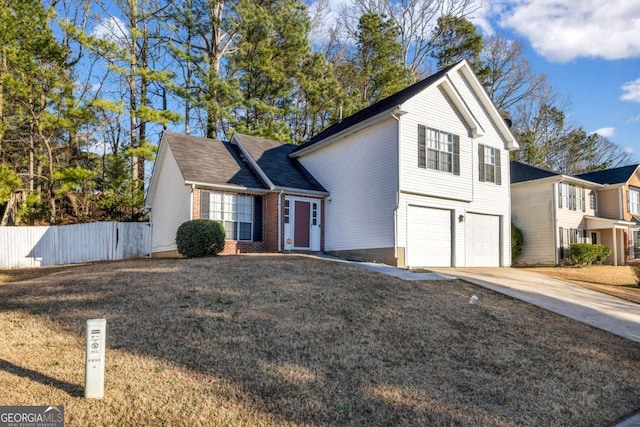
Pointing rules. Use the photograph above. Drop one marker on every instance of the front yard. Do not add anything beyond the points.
(619, 281)
(289, 340)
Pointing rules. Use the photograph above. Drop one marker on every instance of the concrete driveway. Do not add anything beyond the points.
(593, 308)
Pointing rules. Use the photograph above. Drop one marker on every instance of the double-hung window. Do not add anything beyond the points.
(633, 201)
(593, 201)
(235, 212)
(489, 169)
(571, 197)
(438, 150)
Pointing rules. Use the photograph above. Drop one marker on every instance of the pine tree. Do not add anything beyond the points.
(271, 49)
(377, 69)
(456, 38)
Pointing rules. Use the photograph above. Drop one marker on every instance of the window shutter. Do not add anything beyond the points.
(628, 201)
(456, 155)
(498, 168)
(481, 162)
(204, 204)
(422, 146)
(257, 219)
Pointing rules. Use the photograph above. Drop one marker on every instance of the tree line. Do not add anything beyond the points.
(86, 86)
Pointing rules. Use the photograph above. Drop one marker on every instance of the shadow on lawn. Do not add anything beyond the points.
(317, 342)
(73, 390)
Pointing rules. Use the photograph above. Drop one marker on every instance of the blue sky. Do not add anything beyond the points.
(590, 52)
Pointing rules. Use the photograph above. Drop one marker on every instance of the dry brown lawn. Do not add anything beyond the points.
(619, 281)
(291, 340)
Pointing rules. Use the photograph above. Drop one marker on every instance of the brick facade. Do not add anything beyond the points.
(269, 241)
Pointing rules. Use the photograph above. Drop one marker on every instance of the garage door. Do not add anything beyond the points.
(429, 237)
(483, 240)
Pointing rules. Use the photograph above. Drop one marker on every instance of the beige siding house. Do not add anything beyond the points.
(554, 210)
(619, 198)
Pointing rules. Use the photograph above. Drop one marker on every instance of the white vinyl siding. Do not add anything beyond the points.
(532, 213)
(171, 204)
(361, 174)
(431, 110)
(461, 193)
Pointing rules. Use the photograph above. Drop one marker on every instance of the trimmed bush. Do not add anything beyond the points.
(585, 253)
(200, 238)
(517, 241)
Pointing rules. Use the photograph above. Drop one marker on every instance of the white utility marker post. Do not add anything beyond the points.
(94, 363)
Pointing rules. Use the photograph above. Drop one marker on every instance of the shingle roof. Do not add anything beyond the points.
(377, 108)
(521, 172)
(610, 176)
(273, 158)
(210, 161)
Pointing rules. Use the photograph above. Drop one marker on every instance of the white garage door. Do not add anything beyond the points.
(483, 240)
(429, 237)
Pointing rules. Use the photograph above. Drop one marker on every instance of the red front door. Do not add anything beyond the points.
(301, 222)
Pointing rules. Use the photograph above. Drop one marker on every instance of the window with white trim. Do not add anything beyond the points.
(489, 169)
(633, 201)
(235, 212)
(438, 150)
(593, 201)
(571, 197)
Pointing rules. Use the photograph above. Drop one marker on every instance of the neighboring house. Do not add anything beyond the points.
(249, 184)
(620, 199)
(419, 179)
(554, 210)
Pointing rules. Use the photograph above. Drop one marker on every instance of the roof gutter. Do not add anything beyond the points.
(302, 191)
(560, 178)
(346, 132)
(225, 187)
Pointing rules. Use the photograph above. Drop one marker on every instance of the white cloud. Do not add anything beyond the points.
(631, 91)
(561, 30)
(113, 29)
(606, 132)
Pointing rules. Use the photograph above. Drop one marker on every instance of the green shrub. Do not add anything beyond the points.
(517, 240)
(200, 238)
(585, 253)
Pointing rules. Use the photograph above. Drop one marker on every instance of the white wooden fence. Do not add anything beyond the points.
(68, 244)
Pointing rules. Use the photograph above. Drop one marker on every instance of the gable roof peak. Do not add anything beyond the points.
(393, 105)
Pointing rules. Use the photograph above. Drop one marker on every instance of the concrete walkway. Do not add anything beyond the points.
(603, 311)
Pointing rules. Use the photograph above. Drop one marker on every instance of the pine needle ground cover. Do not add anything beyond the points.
(291, 340)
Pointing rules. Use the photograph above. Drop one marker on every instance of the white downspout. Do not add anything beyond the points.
(554, 206)
(395, 211)
(193, 187)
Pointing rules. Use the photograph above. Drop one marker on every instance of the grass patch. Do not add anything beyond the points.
(618, 281)
(287, 340)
